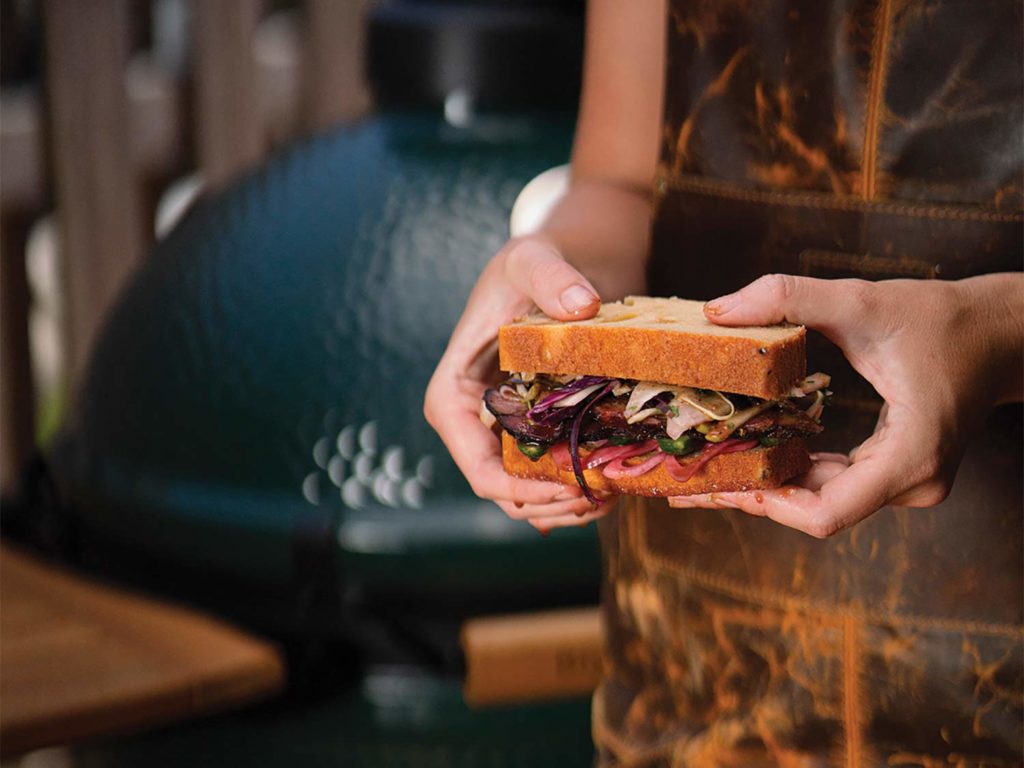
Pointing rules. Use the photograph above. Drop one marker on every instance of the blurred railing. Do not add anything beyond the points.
(135, 95)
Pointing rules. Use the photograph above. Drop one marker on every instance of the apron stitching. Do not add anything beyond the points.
(715, 188)
(873, 108)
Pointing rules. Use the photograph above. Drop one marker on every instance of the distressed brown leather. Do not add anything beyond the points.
(875, 139)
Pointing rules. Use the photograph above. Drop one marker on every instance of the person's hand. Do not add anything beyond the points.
(527, 273)
(938, 353)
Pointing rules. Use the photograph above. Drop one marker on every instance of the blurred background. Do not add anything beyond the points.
(235, 236)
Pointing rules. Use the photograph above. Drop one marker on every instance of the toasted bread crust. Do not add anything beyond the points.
(756, 469)
(683, 353)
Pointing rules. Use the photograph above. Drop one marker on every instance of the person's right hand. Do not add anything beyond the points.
(527, 273)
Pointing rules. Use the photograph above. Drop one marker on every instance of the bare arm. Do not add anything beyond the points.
(593, 244)
(941, 354)
(602, 226)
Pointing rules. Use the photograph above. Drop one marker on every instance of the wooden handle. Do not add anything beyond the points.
(532, 656)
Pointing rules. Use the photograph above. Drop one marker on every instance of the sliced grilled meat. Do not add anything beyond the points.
(782, 422)
(511, 414)
(606, 421)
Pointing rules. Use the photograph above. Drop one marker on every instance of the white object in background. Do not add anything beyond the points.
(46, 313)
(537, 199)
(458, 108)
(175, 202)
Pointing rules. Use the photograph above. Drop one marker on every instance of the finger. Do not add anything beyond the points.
(821, 472)
(478, 456)
(836, 458)
(847, 497)
(876, 435)
(826, 305)
(833, 495)
(545, 524)
(697, 501)
(489, 480)
(825, 467)
(535, 268)
(521, 511)
(926, 494)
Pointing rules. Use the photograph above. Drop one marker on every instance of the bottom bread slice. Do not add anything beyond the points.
(758, 468)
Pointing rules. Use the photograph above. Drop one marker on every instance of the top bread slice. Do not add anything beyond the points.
(661, 340)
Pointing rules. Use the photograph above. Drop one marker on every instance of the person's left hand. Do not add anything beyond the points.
(941, 355)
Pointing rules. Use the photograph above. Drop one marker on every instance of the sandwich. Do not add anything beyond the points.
(649, 398)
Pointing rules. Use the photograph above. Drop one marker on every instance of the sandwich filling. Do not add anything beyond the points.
(627, 428)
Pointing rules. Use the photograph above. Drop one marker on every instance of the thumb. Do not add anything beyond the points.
(535, 268)
(819, 304)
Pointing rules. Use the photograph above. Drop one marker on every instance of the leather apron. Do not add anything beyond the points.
(873, 139)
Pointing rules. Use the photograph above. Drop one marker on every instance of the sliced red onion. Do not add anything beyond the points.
(615, 452)
(574, 441)
(562, 459)
(553, 416)
(618, 468)
(576, 397)
(684, 470)
(551, 398)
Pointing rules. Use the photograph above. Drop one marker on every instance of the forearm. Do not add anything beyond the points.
(603, 229)
(602, 226)
(998, 311)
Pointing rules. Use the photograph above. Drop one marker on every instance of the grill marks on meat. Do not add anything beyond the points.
(511, 414)
(782, 423)
(606, 421)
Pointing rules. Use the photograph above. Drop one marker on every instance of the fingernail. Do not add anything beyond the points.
(576, 298)
(722, 304)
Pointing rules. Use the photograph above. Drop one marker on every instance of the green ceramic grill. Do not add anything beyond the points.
(249, 436)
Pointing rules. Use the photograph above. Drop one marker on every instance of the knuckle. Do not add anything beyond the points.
(479, 489)
(930, 468)
(516, 256)
(514, 512)
(930, 494)
(522, 513)
(781, 288)
(547, 274)
(823, 528)
(536, 267)
(428, 410)
(521, 256)
(430, 399)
